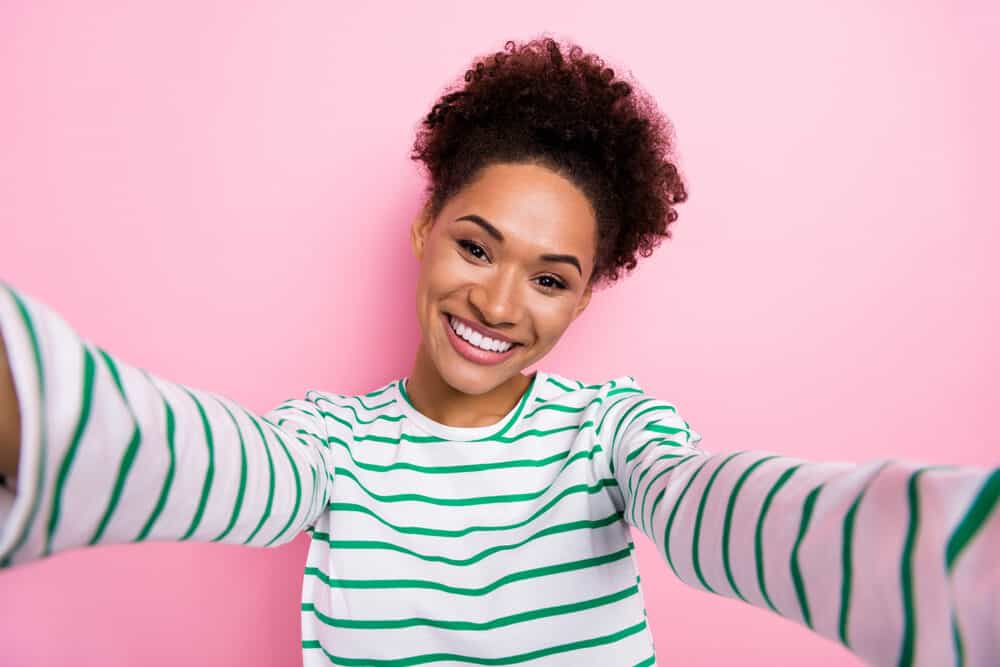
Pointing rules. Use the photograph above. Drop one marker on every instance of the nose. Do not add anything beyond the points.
(497, 299)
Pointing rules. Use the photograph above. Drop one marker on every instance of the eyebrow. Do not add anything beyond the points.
(495, 233)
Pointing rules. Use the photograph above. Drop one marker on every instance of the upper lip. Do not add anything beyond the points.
(486, 331)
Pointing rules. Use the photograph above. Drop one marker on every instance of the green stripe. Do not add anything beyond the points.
(298, 487)
(389, 546)
(371, 408)
(301, 431)
(975, 518)
(673, 514)
(669, 430)
(421, 530)
(128, 458)
(618, 426)
(493, 437)
(504, 621)
(536, 432)
(560, 384)
(800, 588)
(378, 392)
(270, 480)
(727, 523)
(423, 439)
(43, 425)
(566, 408)
(647, 519)
(651, 660)
(701, 515)
(210, 470)
(533, 573)
(293, 404)
(557, 407)
(956, 638)
(759, 532)
(282, 433)
(444, 470)
(847, 557)
(67, 462)
(357, 417)
(506, 660)
(638, 451)
(645, 469)
(171, 428)
(906, 652)
(607, 412)
(462, 502)
(238, 505)
(314, 496)
(648, 425)
(517, 413)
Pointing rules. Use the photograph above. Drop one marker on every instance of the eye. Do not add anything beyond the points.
(473, 249)
(554, 283)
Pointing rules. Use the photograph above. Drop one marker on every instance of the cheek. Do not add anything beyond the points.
(445, 270)
(553, 317)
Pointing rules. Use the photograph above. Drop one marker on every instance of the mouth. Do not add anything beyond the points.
(473, 346)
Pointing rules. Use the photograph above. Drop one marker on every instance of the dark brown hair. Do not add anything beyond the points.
(544, 103)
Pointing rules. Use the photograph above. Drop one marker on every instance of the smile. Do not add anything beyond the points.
(473, 345)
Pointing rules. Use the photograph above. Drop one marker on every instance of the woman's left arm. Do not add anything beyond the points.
(897, 561)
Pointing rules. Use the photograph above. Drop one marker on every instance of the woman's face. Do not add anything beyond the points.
(509, 256)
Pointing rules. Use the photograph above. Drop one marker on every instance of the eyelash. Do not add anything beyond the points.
(469, 245)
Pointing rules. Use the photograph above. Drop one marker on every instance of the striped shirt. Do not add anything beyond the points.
(502, 544)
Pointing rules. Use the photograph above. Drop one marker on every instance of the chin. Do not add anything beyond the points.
(471, 378)
(467, 379)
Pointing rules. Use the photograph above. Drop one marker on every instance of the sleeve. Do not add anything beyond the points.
(898, 562)
(112, 454)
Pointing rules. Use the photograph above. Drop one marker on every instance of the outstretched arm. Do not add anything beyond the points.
(107, 453)
(897, 561)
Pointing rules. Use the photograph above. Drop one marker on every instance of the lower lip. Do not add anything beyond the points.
(470, 351)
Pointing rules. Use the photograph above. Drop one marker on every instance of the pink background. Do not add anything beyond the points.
(221, 194)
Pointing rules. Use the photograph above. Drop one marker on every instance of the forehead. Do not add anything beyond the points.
(531, 205)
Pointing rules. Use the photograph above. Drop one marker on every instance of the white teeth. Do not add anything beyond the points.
(477, 339)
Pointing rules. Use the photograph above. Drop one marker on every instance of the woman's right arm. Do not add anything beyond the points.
(96, 451)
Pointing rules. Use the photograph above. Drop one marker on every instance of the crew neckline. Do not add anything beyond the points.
(467, 433)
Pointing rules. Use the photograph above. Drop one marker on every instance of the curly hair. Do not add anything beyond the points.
(556, 106)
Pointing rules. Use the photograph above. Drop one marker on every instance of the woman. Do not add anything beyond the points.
(469, 513)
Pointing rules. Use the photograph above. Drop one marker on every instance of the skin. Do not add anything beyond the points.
(10, 418)
(503, 285)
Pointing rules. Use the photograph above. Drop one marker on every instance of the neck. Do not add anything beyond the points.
(436, 399)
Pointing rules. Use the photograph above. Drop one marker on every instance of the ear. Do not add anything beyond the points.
(420, 230)
(584, 301)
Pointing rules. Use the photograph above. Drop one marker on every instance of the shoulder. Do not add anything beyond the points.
(553, 386)
(602, 394)
(349, 410)
(379, 399)
(619, 405)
